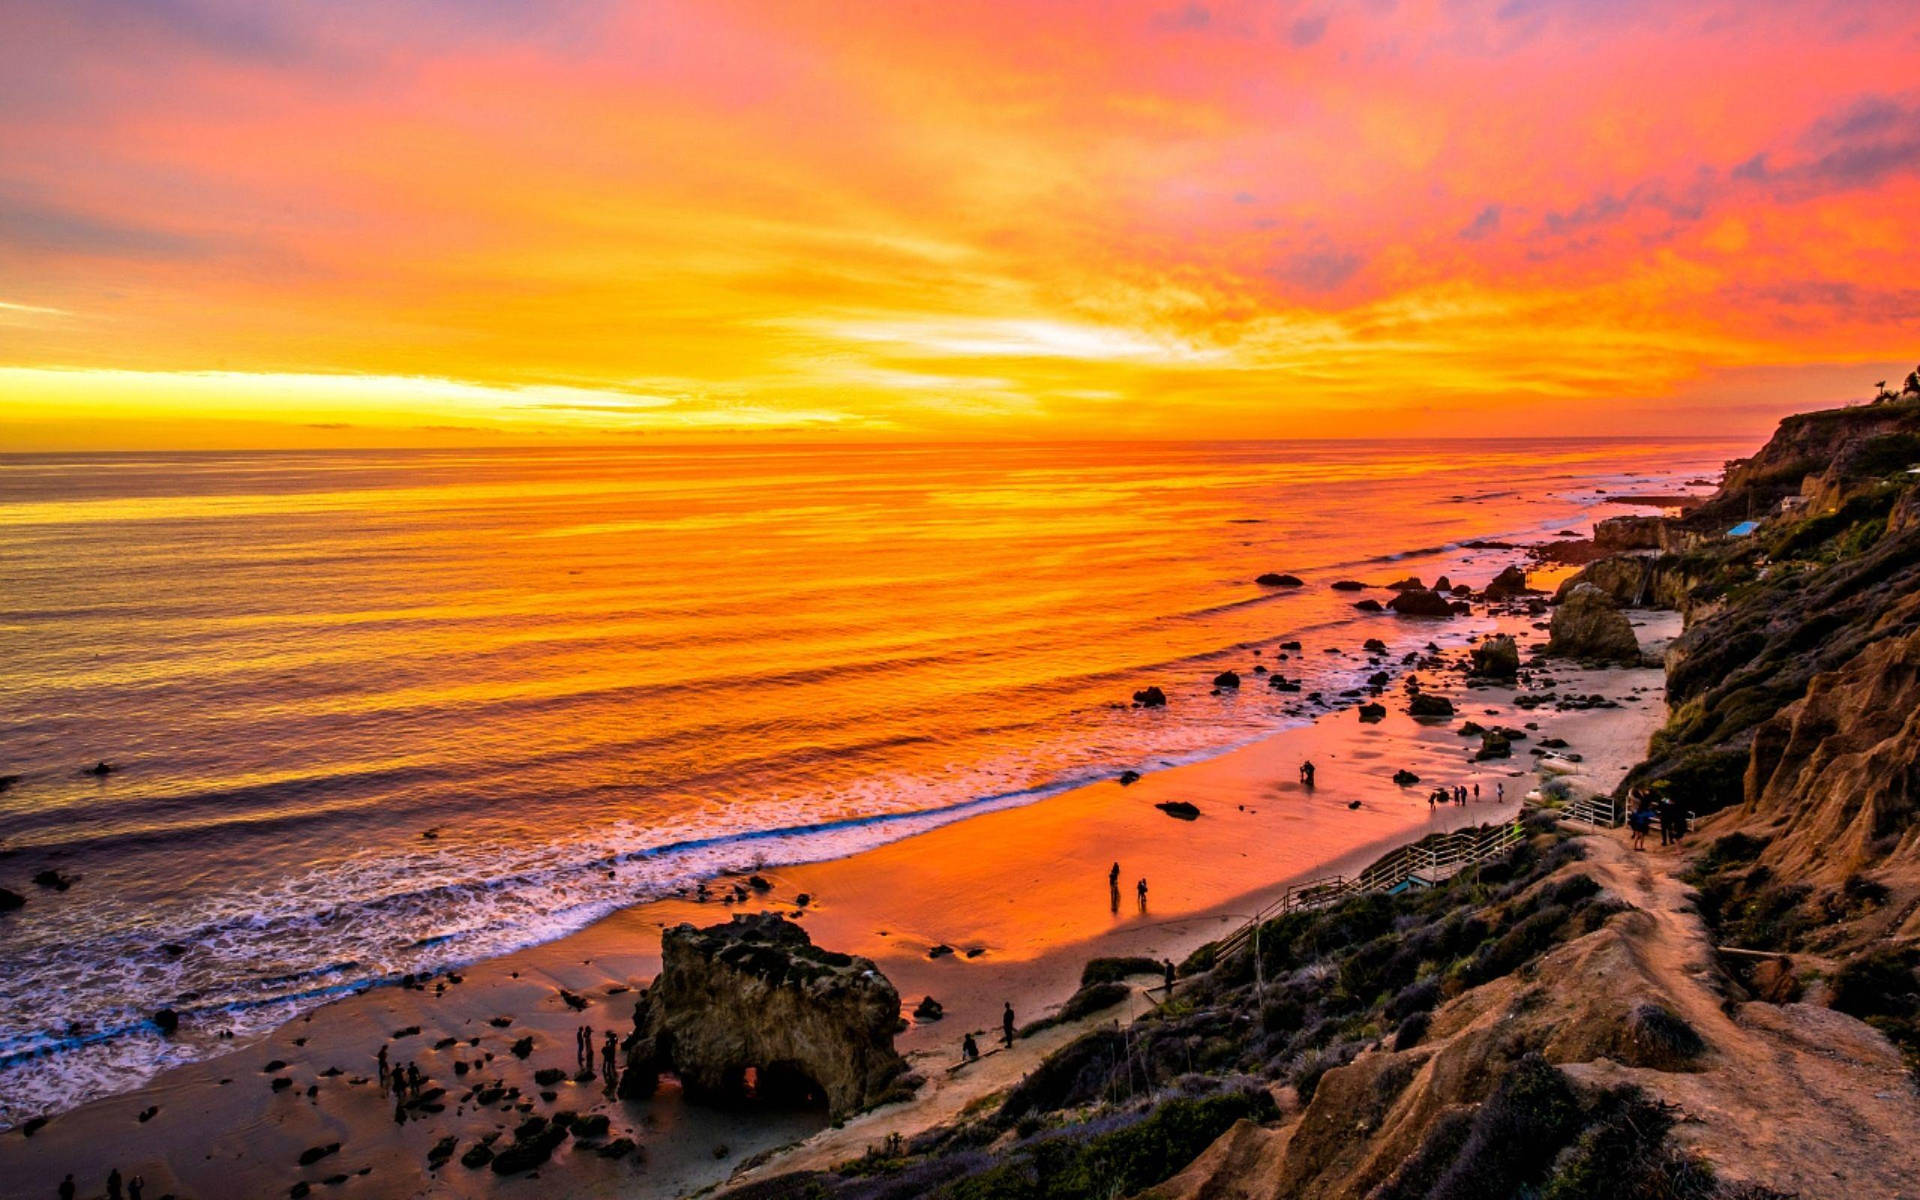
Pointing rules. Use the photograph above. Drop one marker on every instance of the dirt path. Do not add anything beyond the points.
(1795, 1096)
(949, 1090)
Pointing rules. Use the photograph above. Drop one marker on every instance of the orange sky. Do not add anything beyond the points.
(415, 221)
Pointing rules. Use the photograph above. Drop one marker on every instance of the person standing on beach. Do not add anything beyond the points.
(135, 1187)
(382, 1059)
(113, 1184)
(609, 1059)
(66, 1188)
(1500, 794)
(1168, 964)
(969, 1049)
(1113, 876)
(1306, 773)
(1006, 1023)
(1476, 789)
(1140, 890)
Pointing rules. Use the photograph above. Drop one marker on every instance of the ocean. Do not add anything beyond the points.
(372, 714)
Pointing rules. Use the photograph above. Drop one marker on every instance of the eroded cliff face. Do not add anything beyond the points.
(756, 995)
(1834, 778)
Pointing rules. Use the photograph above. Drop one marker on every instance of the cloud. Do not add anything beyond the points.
(1305, 31)
(30, 226)
(1870, 141)
(1185, 19)
(1485, 223)
(1320, 270)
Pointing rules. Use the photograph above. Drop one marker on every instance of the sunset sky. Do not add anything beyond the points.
(231, 223)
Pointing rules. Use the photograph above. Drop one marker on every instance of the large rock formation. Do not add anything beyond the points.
(756, 995)
(1587, 624)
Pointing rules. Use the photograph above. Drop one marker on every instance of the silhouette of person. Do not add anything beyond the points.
(135, 1187)
(1006, 1023)
(382, 1057)
(1169, 966)
(969, 1049)
(113, 1184)
(1113, 876)
(66, 1188)
(609, 1058)
(1140, 890)
(1306, 773)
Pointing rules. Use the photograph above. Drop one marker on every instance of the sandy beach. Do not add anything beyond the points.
(1019, 894)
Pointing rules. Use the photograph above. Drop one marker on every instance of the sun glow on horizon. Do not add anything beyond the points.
(420, 222)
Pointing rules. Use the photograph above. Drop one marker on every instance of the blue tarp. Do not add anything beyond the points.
(1743, 529)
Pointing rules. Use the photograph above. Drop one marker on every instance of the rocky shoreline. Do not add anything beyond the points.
(1734, 1017)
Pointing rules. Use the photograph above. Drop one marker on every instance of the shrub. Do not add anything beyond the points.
(1515, 1134)
(1879, 983)
(1411, 1031)
(1113, 970)
(1661, 1039)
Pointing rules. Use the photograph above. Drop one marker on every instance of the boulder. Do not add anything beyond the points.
(928, 1009)
(1227, 679)
(1508, 584)
(1374, 646)
(1179, 808)
(1290, 645)
(1420, 602)
(1587, 624)
(1426, 704)
(1369, 713)
(1494, 744)
(1410, 584)
(757, 993)
(1271, 579)
(1128, 778)
(1497, 657)
(1405, 778)
(1349, 585)
(1368, 605)
(1151, 697)
(10, 900)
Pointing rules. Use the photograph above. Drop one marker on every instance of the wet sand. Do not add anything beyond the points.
(1025, 888)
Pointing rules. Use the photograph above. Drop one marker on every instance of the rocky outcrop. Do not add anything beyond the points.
(1419, 602)
(1276, 579)
(1507, 584)
(754, 1006)
(1588, 624)
(1616, 535)
(1427, 704)
(1496, 657)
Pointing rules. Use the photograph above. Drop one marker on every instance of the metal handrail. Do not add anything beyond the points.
(1429, 861)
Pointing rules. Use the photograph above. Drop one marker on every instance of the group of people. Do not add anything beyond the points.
(1113, 889)
(1649, 810)
(403, 1083)
(609, 1055)
(970, 1049)
(135, 1187)
(1306, 774)
(1454, 795)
